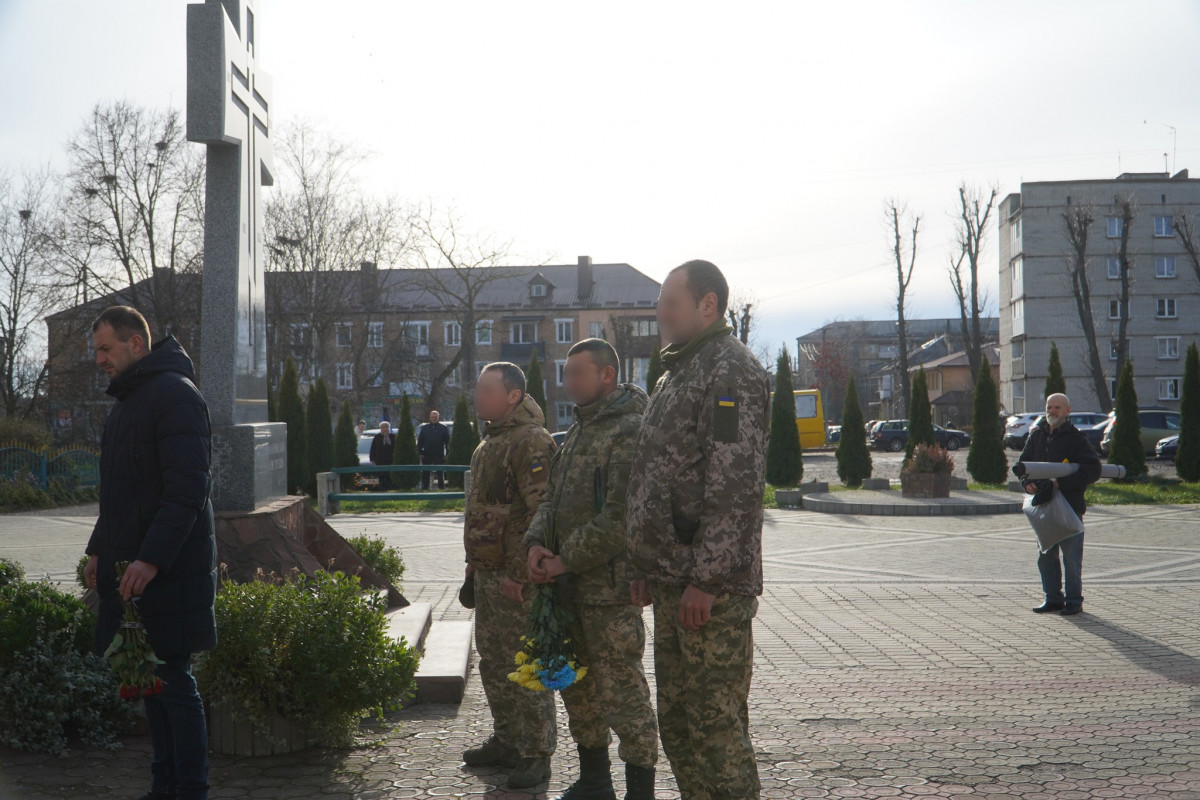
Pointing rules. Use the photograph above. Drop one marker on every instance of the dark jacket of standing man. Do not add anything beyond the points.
(433, 439)
(694, 521)
(155, 513)
(1056, 440)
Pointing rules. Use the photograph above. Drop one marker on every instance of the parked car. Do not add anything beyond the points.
(833, 434)
(1095, 433)
(1156, 423)
(1167, 448)
(892, 434)
(1017, 429)
(1083, 420)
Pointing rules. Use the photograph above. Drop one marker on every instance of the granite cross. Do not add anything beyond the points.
(228, 109)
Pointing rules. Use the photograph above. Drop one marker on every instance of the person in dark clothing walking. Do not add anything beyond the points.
(382, 449)
(155, 513)
(433, 439)
(1056, 440)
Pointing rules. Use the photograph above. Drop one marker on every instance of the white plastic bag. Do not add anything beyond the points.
(1052, 521)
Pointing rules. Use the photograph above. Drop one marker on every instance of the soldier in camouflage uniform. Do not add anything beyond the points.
(508, 477)
(578, 539)
(694, 517)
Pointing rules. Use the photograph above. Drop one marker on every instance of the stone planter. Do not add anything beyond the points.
(230, 736)
(876, 484)
(792, 498)
(925, 484)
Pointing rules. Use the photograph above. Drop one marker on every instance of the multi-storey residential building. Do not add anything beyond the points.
(1038, 300)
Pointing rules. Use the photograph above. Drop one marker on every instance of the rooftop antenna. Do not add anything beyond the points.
(1171, 128)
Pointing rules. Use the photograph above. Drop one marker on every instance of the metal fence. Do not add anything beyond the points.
(77, 467)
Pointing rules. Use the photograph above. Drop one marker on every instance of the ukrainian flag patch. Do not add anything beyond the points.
(726, 402)
(537, 467)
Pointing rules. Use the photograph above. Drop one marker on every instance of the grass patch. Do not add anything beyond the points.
(1143, 492)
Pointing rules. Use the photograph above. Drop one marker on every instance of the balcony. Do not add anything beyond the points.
(520, 354)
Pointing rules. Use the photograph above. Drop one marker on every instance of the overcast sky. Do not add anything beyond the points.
(765, 137)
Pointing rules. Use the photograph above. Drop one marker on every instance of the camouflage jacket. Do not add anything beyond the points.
(508, 477)
(582, 516)
(695, 504)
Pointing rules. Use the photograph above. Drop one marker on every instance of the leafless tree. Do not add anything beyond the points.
(454, 268)
(137, 202)
(1077, 222)
(28, 289)
(1126, 212)
(899, 219)
(1187, 238)
(970, 227)
(321, 225)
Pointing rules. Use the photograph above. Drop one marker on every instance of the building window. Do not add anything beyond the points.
(1168, 347)
(1165, 308)
(452, 376)
(1114, 309)
(301, 340)
(483, 331)
(1018, 309)
(1114, 351)
(1164, 267)
(644, 327)
(1018, 349)
(565, 330)
(453, 333)
(375, 334)
(1164, 227)
(375, 375)
(417, 334)
(1018, 277)
(559, 366)
(565, 412)
(537, 290)
(343, 333)
(345, 376)
(523, 332)
(479, 365)
(1168, 388)
(636, 369)
(596, 330)
(1014, 237)
(1115, 225)
(1112, 388)
(1114, 269)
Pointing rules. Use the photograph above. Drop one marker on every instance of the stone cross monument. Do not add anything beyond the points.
(228, 109)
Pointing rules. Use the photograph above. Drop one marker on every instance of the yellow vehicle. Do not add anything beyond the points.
(810, 418)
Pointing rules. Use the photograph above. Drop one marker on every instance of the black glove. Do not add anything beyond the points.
(1045, 491)
(1019, 470)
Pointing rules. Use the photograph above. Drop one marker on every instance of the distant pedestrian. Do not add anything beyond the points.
(433, 440)
(382, 447)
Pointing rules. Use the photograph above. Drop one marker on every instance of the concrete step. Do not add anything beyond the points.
(412, 622)
(442, 676)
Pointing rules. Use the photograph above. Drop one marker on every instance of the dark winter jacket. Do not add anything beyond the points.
(1068, 444)
(154, 503)
(432, 440)
(382, 447)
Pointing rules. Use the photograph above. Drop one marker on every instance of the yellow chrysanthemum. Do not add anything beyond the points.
(520, 658)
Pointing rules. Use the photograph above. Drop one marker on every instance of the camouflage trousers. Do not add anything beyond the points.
(614, 693)
(522, 719)
(703, 680)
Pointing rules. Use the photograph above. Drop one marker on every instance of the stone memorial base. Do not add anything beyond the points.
(249, 465)
(287, 534)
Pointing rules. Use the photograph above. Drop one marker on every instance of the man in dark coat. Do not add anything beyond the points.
(433, 438)
(155, 514)
(1056, 440)
(382, 450)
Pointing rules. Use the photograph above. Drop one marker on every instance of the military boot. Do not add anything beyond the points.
(529, 772)
(595, 780)
(492, 753)
(639, 782)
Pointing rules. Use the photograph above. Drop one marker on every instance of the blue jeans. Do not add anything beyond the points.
(178, 733)
(1072, 565)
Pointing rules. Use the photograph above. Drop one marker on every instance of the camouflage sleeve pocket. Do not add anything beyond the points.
(725, 418)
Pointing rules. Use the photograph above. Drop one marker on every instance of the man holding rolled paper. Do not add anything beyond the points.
(1055, 440)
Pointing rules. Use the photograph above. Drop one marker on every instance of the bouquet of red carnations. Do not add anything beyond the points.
(130, 655)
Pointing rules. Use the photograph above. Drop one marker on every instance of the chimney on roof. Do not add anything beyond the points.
(368, 282)
(584, 279)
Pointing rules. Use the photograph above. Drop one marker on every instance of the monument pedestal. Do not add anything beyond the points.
(249, 465)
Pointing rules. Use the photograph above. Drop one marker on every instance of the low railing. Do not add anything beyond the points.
(330, 494)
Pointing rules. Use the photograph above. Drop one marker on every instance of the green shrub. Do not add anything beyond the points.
(18, 432)
(10, 572)
(853, 456)
(535, 385)
(52, 685)
(1187, 459)
(345, 440)
(404, 447)
(314, 650)
(920, 418)
(21, 492)
(987, 461)
(785, 463)
(1125, 448)
(381, 557)
(290, 409)
(318, 435)
(464, 438)
(1055, 384)
(79, 566)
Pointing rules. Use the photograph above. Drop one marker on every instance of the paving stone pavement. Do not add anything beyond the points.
(894, 658)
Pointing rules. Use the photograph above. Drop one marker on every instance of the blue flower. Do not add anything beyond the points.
(558, 679)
